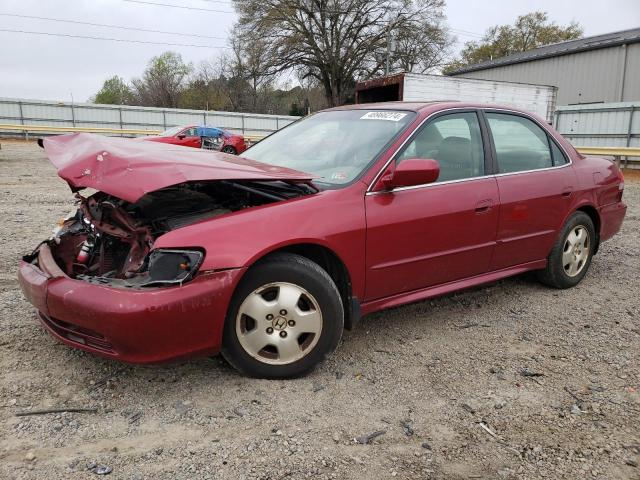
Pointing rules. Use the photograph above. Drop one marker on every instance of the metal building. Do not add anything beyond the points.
(599, 69)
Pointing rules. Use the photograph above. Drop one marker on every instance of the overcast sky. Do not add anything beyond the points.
(54, 68)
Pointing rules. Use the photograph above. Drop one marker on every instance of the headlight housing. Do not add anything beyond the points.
(169, 266)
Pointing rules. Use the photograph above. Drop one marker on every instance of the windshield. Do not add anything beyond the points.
(334, 146)
(171, 132)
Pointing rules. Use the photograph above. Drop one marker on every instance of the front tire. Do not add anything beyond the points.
(571, 255)
(285, 317)
(230, 150)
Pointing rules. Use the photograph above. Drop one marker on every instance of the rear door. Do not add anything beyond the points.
(535, 182)
(440, 232)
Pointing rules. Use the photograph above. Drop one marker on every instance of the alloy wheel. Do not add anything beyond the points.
(279, 323)
(576, 251)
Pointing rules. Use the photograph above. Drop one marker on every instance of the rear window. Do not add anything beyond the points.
(558, 155)
(520, 144)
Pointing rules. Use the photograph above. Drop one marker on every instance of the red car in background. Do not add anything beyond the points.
(196, 136)
(184, 252)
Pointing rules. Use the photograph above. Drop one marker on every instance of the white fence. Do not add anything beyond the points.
(63, 114)
(593, 125)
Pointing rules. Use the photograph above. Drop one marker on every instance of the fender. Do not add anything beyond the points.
(239, 239)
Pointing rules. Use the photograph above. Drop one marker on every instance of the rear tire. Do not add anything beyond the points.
(571, 255)
(285, 317)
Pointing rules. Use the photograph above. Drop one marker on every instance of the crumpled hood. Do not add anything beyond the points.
(127, 169)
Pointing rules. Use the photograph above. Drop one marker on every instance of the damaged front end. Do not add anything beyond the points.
(109, 241)
(144, 190)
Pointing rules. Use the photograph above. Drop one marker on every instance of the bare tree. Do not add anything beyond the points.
(208, 87)
(421, 47)
(252, 63)
(337, 41)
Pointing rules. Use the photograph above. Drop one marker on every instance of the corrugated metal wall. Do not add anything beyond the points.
(632, 74)
(606, 125)
(36, 112)
(585, 77)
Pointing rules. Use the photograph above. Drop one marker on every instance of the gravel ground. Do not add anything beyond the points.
(511, 380)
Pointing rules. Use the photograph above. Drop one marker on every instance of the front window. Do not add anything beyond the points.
(335, 146)
(170, 132)
(455, 141)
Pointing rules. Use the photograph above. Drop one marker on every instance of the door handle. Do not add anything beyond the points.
(483, 206)
(567, 191)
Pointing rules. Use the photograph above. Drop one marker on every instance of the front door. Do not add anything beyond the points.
(188, 138)
(437, 233)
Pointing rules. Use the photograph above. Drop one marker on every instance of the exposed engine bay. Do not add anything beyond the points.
(110, 241)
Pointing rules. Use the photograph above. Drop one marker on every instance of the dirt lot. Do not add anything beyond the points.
(426, 374)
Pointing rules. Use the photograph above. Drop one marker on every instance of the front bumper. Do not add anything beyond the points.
(139, 326)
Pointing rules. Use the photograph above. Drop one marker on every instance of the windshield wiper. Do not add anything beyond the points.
(278, 187)
(256, 191)
(301, 187)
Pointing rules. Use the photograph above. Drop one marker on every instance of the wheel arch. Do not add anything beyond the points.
(329, 261)
(595, 218)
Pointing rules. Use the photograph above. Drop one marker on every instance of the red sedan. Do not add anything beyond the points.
(196, 136)
(253, 258)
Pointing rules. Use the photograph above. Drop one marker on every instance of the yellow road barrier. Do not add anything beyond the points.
(616, 152)
(611, 151)
(53, 129)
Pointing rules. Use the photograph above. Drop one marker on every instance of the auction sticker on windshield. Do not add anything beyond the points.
(393, 116)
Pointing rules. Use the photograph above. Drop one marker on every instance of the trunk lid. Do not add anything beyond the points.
(128, 170)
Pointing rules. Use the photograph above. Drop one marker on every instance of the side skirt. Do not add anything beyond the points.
(418, 295)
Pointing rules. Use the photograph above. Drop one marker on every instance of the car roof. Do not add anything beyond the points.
(193, 125)
(414, 106)
(430, 106)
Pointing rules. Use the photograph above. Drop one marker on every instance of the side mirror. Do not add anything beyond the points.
(410, 172)
(182, 136)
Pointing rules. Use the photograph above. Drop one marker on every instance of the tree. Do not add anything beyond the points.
(421, 47)
(251, 63)
(337, 42)
(207, 88)
(114, 91)
(238, 81)
(163, 81)
(529, 31)
(297, 110)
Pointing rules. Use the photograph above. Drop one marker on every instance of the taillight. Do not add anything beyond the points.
(620, 190)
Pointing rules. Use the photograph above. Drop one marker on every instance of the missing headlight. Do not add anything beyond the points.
(172, 266)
